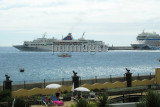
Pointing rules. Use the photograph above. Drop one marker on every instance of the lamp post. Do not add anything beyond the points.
(128, 78)
(75, 79)
(7, 84)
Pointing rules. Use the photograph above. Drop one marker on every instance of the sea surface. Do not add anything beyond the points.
(44, 65)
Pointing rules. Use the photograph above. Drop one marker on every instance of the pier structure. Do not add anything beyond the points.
(120, 48)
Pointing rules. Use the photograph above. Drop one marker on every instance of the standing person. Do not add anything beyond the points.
(58, 93)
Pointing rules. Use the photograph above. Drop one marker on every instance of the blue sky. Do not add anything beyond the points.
(116, 22)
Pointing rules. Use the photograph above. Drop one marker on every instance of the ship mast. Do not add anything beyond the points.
(83, 34)
(44, 34)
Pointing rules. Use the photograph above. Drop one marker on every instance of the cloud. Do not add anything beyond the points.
(95, 16)
(105, 11)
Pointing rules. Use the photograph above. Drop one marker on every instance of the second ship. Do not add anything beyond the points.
(67, 44)
(147, 41)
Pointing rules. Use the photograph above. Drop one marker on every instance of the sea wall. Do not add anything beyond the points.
(120, 48)
(69, 83)
(106, 85)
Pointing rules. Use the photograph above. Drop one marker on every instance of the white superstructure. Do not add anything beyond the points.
(148, 41)
(67, 44)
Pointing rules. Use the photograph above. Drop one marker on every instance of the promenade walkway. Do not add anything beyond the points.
(66, 104)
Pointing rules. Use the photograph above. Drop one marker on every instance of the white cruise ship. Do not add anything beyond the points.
(67, 44)
(147, 41)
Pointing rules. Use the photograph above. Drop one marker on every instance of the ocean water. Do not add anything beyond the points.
(44, 65)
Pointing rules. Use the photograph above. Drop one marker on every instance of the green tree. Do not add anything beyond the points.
(5, 95)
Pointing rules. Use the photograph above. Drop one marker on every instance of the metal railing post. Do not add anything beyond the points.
(80, 80)
(95, 79)
(24, 85)
(138, 76)
(123, 98)
(3, 85)
(62, 81)
(110, 78)
(44, 83)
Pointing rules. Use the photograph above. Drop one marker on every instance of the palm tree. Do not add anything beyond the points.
(83, 103)
(151, 99)
(103, 100)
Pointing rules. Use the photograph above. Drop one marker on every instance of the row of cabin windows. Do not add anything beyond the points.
(55, 44)
(70, 44)
(38, 44)
(52, 44)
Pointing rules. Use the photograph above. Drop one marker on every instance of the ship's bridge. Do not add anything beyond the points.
(141, 37)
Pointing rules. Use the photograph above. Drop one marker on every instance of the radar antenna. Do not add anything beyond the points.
(44, 34)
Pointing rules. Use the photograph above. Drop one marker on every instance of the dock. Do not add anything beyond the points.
(120, 48)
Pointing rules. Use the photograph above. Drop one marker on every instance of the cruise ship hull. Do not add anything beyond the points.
(140, 47)
(32, 49)
(60, 48)
(144, 47)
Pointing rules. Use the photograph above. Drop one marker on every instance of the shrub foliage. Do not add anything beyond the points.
(151, 99)
(103, 100)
